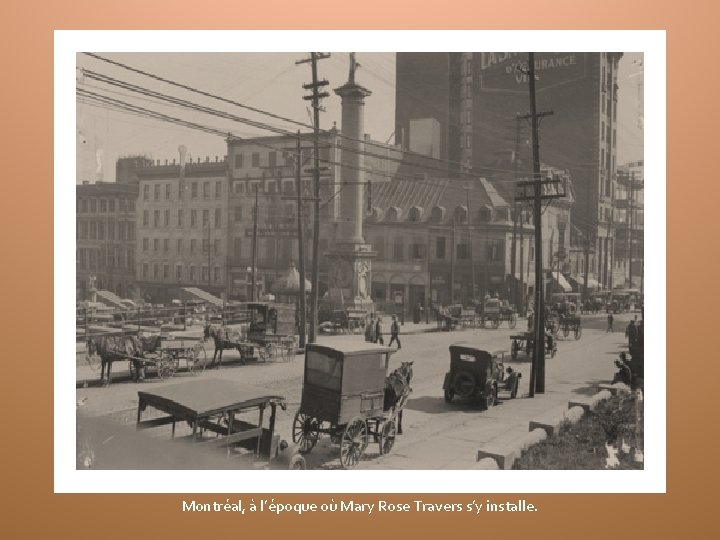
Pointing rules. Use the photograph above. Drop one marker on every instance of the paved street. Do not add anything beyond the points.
(436, 435)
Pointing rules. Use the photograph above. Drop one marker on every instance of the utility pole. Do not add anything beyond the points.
(537, 374)
(629, 227)
(315, 98)
(254, 245)
(513, 245)
(301, 249)
(452, 262)
(468, 186)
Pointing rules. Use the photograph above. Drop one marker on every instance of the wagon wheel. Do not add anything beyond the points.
(165, 366)
(353, 443)
(449, 395)
(306, 431)
(513, 320)
(463, 384)
(491, 398)
(387, 437)
(578, 332)
(198, 358)
(495, 322)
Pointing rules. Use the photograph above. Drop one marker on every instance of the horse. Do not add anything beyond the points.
(113, 348)
(397, 387)
(222, 342)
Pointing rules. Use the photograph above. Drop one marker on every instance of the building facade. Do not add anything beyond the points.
(477, 99)
(105, 238)
(182, 222)
(626, 263)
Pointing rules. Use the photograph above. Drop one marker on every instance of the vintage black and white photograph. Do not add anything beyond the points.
(377, 261)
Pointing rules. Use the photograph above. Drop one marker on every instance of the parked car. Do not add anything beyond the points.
(478, 376)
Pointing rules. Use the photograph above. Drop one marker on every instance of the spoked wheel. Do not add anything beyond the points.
(353, 443)
(578, 332)
(306, 431)
(387, 437)
(165, 366)
(198, 358)
(513, 320)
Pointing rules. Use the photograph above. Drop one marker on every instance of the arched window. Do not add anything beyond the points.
(415, 213)
(393, 214)
(437, 214)
(460, 215)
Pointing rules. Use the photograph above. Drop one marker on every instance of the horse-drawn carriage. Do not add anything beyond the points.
(564, 315)
(495, 311)
(526, 342)
(478, 376)
(348, 395)
(164, 356)
(265, 331)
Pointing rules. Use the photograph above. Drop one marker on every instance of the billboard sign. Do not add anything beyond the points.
(507, 71)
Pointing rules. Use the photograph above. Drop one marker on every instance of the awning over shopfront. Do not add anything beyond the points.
(564, 283)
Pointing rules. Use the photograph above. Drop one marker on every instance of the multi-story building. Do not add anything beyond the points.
(467, 105)
(182, 216)
(267, 166)
(447, 240)
(628, 226)
(105, 238)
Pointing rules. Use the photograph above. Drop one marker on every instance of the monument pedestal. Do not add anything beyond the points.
(350, 275)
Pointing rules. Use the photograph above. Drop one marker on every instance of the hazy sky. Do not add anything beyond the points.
(271, 82)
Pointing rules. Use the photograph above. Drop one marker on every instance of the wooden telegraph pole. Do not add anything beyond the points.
(315, 98)
(254, 246)
(537, 373)
(301, 249)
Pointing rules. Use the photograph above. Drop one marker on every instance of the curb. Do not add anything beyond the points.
(506, 450)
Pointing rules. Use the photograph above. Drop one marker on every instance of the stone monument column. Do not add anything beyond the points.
(350, 257)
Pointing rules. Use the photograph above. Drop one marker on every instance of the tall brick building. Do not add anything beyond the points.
(463, 107)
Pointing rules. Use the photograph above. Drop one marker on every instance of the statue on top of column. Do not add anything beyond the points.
(353, 66)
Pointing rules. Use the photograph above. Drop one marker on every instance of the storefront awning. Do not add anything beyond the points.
(564, 283)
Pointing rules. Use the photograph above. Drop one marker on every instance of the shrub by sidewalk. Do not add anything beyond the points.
(611, 436)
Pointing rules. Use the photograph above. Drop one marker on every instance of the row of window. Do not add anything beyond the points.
(163, 245)
(161, 218)
(275, 158)
(166, 191)
(182, 273)
(101, 230)
(93, 205)
(418, 250)
(271, 186)
(105, 259)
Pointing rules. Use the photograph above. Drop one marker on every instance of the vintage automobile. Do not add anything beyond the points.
(478, 376)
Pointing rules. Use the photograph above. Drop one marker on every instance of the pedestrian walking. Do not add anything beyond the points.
(378, 331)
(610, 323)
(369, 329)
(395, 332)
(631, 333)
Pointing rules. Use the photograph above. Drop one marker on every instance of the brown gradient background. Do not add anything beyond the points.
(30, 508)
